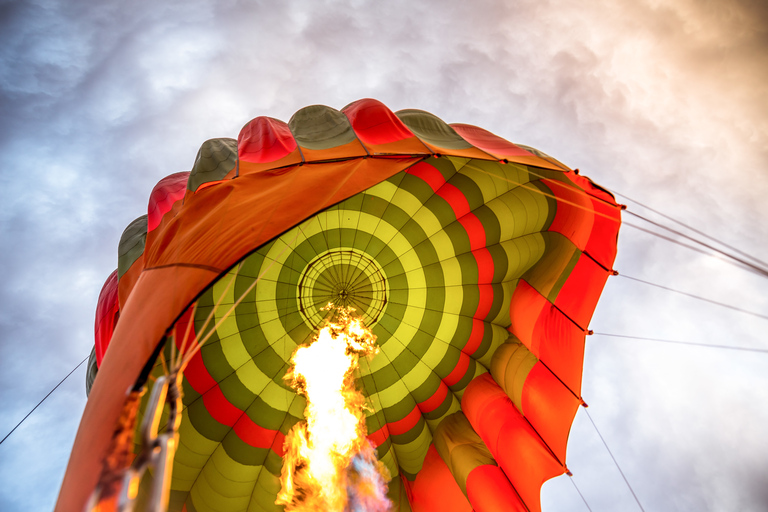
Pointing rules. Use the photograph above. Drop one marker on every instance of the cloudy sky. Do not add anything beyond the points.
(662, 100)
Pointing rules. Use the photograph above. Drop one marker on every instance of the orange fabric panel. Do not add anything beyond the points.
(578, 296)
(489, 490)
(551, 336)
(132, 343)
(464, 153)
(435, 488)
(515, 445)
(126, 283)
(349, 150)
(549, 407)
(107, 313)
(243, 213)
(180, 260)
(166, 193)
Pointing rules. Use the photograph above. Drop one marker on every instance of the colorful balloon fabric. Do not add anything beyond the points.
(476, 262)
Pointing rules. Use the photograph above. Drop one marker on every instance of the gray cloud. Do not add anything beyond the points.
(663, 101)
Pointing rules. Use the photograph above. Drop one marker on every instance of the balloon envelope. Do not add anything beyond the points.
(476, 262)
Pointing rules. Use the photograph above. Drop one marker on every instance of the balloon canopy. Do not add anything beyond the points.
(476, 262)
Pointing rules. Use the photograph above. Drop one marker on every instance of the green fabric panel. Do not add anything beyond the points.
(558, 256)
(409, 436)
(204, 423)
(564, 276)
(265, 489)
(398, 495)
(469, 189)
(432, 129)
(131, 245)
(543, 155)
(446, 165)
(90, 371)
(461, 448)
(466, 379)
(493, 337)
(511, 364)
(214, 160)
(445, 406)
(320, 127)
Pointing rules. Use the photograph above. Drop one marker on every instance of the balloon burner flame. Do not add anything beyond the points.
(329, 464)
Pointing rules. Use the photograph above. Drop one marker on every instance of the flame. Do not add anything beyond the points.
(329, 464)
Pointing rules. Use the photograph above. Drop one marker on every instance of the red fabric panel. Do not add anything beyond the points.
(167, 191)
(456, 199)
(574, 217)
(591, 232)
(485, 301)
(437, 398)
(488, 142)
(458, 372)
(107, 313)
(485, 267)
(435, 489)
(514, 444)
(475, 337)
(257, 436)
(265, 139)
(578, 296)
(223, 411)
(429, 174)
(549, 407)
(590, 188)
(548, 334)
(374, 123)
(500, 148)
(474, 228)
(489, 490)
(407, 423)
(602, 243)
(378, 437)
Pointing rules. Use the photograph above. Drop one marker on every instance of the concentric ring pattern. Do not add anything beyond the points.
(477, 264)
(447, 256)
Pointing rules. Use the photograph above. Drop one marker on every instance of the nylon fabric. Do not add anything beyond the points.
(461, 256)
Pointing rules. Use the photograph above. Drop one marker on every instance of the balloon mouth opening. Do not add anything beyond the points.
(346, 277)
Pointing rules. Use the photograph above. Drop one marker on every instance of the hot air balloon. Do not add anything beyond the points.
(477, 263)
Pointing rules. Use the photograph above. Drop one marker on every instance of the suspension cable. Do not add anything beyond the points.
(570, 475)
(709, 237)
(721, 304)
(46, 396)
(758, 269)
(728, 260)
(749, 349)
(614, 460)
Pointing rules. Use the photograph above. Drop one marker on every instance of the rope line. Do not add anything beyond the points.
(749, 349)
(760, 270)
(579, 491)
(709, 237)
(614, 460)
(722, 304)
(46, 396)
(697, 249)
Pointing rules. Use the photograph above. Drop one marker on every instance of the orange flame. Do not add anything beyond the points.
(329, 463)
